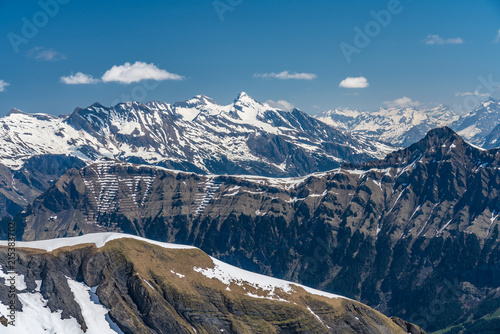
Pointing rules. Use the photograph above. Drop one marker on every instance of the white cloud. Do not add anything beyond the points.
(42, 53)
(438, 40)
(128, 73)
(497, 39)
(281, 104)
(3, 84)
(475, 93)
(285, 75)
(79, 79)
(402, 102)
(354, 82)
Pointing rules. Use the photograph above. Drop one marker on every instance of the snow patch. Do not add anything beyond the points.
(36, 318)
(95, 314)
(228, 275)
(180, 275)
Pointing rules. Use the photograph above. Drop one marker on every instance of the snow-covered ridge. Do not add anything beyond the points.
(98, 239)
(25, 135)
(224, 272)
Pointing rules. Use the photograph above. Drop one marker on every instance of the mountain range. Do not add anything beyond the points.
(245, 137)
(198, 135)
(411, 232)
(398, 233)
(403, 126)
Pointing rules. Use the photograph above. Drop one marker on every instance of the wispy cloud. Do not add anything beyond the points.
(354, 82)
(286, 75)
(474, 93)
(497, 39)
(79, 79)
(438, 40)
(129, 73)
(44, 54)
(281, 104)
(402, 102)
(3, 84)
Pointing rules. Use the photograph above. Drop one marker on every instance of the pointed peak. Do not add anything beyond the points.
(196, 101)
(15, 111)
(39, 116)
(201, 100)
(443, 132)
(244, 97)
(438, 145)
(96, 105)
(201, 97)
(490, 99)
(438, 137)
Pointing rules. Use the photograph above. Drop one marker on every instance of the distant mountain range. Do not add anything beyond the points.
(402, 126)
(394, 233)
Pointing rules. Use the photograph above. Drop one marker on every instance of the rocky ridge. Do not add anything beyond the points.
(101, 283)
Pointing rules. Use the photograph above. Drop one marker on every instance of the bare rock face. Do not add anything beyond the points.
(408, 327)
(416, 228)
(20, 187)
(158, 289)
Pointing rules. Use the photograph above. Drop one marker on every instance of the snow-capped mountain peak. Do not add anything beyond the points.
(243, 96)
(249, 110)
(197, 100)
(478, 125)
(14, 111)
(490, 104)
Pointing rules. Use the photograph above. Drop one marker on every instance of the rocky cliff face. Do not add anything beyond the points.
(20, 187)
(128, 285)
(418, 228)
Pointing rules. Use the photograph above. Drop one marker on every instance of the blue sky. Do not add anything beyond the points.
(430, 52)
